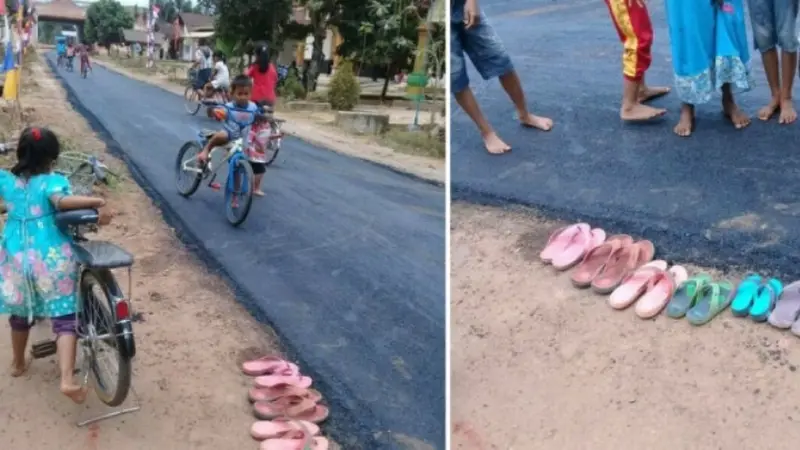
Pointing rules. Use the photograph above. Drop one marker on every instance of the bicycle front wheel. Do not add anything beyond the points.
(239, 191)
(107, 351)
(186, 181)
(191, 100)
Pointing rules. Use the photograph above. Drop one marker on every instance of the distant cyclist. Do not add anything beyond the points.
(61, 50)
(70, 55)
(83, 53)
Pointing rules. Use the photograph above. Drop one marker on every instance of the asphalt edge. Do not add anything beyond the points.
(310, 141)
(351, 431)
(724, 253)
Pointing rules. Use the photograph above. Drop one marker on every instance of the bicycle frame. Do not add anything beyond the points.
(234, 150)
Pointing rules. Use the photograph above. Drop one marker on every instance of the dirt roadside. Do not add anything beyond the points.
(537, 364)
(320, 136)
(190, 343)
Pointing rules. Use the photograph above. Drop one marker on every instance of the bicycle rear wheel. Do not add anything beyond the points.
(239, 191)
(103, 345)
(191, 100)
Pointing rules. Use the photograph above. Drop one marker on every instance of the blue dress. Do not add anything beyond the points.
(709, 48)
(38, 271)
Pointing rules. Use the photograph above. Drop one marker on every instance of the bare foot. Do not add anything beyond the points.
(539, 122)
(18, 368)
(640, 113)
(258, 193)
(788, 113)
(736, 115)
(495, 145)
(76, 393)
(685, 124)
(651, 93)
(768, 111)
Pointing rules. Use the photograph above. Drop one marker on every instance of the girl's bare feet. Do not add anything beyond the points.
(495, 145)
(258, 193)
(685, 124)
(76, 393)
(640, 113)
(538, 122)
(18, 368)
(651, 93)
(737, 117)
(768, 111)
(788, 113)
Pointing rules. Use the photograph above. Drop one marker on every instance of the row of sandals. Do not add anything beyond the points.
(624, 269)
(288, 409)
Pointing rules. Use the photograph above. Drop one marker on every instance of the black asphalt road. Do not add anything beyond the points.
(722, 197)
(343, 258)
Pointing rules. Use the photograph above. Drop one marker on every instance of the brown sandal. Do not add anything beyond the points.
(291, 407)
(596, 258)
(621, 264)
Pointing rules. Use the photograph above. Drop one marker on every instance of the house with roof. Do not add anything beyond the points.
(187, 33)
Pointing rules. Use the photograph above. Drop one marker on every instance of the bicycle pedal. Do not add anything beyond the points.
(44, 349)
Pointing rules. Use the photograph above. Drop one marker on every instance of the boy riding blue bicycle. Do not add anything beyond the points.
(237, 116)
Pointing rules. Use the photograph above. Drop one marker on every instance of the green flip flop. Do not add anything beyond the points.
(712, 299)
(685, 296)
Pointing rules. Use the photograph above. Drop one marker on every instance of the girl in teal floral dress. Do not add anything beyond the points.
(38, 272)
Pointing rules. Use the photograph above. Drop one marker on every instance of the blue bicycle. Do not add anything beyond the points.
(239, 185)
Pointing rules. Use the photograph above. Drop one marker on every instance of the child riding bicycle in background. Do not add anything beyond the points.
(70, 54)
(220, 78)
(38, 270)
(83, 52)
(237, 116)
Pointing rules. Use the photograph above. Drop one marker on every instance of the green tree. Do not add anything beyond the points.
(105, 20)
(240, 23)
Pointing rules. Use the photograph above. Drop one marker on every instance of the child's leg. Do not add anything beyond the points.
(632, 21)
(20, 330)
(731, 109)
(259, 170)
(219, 139)
(787, 11)
(764, 38)
(67, 341)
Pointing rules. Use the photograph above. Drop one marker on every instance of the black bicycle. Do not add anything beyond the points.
(105, 327)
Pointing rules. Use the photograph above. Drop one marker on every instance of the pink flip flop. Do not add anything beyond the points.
(635, 284)
(283, 379)
(268, 365)
(270, 394)
(576, 249)
(595, 260)
(296, 441)
(291, 407)
(559, 239)
(278, 428)
(659, 291)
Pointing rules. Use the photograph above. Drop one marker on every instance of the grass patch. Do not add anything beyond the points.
(419, 143)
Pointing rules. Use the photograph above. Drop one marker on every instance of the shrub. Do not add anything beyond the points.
(344, 89)
(292, 88)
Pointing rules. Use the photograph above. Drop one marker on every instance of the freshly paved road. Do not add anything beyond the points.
(722, 197)
(343, 258)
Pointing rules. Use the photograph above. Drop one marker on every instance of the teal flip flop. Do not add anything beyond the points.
(746, 294)
(712, 299)
(686, 294)
(766, 299)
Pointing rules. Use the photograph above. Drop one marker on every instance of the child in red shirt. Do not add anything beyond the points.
(265, 80)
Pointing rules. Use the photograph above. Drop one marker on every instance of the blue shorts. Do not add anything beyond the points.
(774, 24)
(481, 44)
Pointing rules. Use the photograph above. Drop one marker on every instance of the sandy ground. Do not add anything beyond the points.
(190, 342)
(537, 364)
(324, 136)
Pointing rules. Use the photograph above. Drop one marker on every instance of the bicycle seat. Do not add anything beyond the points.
(102, 255)
(76, 217)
